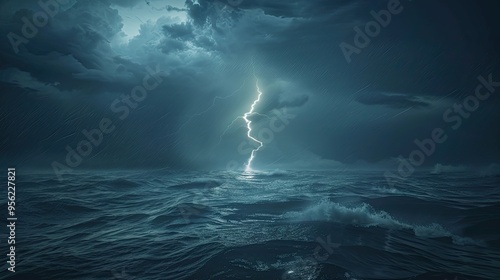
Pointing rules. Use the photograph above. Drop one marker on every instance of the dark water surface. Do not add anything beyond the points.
(274, 225)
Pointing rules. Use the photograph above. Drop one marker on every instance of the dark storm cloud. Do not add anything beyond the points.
(172, 45)
(174, 9)
(198, 11)
(179, 31)
(391, 100)
(298, 8)
(283, 94)
(73, 50)
(62, 73)
(126, 3)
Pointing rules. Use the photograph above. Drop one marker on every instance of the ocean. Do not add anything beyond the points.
(262, 225)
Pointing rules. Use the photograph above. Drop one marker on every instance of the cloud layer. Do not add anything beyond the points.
(90, 53)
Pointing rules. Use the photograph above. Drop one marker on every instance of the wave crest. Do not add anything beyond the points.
(365, 216)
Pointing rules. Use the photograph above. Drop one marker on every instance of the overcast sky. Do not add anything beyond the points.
(323, 108)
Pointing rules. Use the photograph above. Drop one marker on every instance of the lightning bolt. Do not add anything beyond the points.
(248, 166)
(234, 121)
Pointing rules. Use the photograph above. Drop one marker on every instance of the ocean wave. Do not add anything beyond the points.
(365, 216)
(443, 168)
(386, 190)
(121, 183)
(270, 173)
(491, 170)
(197, 185)
(66, 207)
